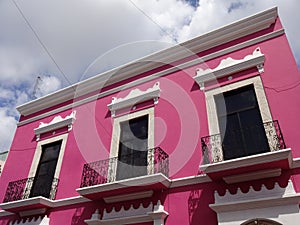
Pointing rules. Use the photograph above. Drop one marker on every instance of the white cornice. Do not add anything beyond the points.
(56, 123)
(135, 96)
(242, 28)
(230, 66)
(158, 74)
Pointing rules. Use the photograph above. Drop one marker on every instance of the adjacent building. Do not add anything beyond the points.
(3, 156)
(205, 132)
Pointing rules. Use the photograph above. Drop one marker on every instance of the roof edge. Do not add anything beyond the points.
(230, 32)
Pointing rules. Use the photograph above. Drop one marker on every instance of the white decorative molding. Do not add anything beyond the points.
(142, 214)
(132, 211)
(278, 204)
(230, 66)
(241, 28)
(32, 221)
(256, 199)
(56, 123)
(135, 96)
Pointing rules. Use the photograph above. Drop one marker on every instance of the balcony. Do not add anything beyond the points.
(27, 198)
(249, 154)
(137, 175)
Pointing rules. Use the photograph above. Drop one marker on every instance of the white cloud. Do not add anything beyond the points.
(212, 14)
(6, 94)
(8, 127)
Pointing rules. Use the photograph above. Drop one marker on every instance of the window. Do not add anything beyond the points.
(133, 146)
(240, 123)
(132, 138)
(44, 176)
(45, 167)
(237, 111)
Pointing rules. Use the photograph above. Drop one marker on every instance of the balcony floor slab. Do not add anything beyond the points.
(128, 186)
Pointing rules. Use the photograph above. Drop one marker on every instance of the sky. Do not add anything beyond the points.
(66, 41)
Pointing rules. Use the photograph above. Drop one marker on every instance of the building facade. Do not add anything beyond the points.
(204, 132)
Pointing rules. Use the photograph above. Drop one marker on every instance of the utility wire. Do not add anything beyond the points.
(40, 41)
(54, 61)
(153, 21)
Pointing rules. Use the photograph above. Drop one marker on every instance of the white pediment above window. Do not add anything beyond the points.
(135, 96)
(230, 66)
(32, 221)
(56, 123)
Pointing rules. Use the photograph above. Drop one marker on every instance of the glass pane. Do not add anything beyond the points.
(253, 132)
(240, 99)
(50, 152)
(232, 139)
(240, 123)
(46, 169)
(133, 148)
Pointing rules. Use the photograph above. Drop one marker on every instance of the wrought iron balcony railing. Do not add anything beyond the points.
(23, 189)
(137, 164)
(214, 147)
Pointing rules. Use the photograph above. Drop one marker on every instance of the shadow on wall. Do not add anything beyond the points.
(198, 205)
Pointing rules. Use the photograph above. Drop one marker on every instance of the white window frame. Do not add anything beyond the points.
(114, 148)
(263, 105)
(38, 153)
(212, 115)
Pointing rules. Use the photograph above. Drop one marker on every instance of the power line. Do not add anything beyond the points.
(52, 58)
(40, 41)
(153, 21)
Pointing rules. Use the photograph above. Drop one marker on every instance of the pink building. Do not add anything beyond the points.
(205, 132)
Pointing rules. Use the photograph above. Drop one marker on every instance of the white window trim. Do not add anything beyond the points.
(260, 95)
(38, 153)
(114, 149)
(212, 115)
